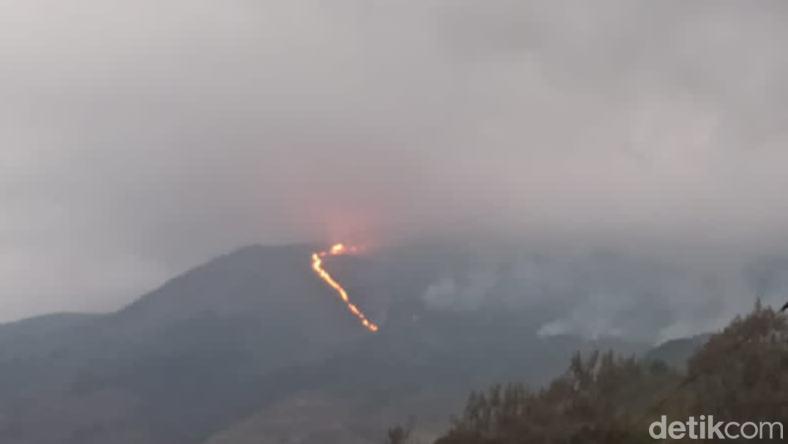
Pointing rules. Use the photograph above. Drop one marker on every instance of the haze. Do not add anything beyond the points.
(140, 138)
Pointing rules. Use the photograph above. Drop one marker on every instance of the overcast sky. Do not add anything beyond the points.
(138, 138)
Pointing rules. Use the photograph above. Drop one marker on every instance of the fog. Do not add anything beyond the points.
(140, 138)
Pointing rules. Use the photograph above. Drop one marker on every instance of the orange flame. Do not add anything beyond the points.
(317, 266)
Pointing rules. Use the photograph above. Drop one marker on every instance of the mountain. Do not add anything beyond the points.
(252, 346)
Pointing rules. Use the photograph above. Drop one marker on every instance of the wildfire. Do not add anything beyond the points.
(317, 266)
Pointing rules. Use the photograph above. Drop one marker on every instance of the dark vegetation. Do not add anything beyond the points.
(739, 374)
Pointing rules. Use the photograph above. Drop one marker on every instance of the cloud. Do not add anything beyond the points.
(145, 137)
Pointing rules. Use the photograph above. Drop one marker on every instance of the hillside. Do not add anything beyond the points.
(175, 364)
(739, 374)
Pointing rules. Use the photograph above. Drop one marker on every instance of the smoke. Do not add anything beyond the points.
(596, 293)
(639, 298)
(469, 293)
(140, 138)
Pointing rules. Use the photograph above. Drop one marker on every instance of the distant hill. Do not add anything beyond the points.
(676, 352)
(40, 326)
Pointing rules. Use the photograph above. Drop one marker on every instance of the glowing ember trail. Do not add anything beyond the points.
(317, 265)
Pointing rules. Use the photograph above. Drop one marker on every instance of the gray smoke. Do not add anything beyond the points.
(140, 137)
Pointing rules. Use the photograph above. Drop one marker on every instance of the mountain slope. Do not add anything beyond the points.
(177, 363)
(226, 348)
